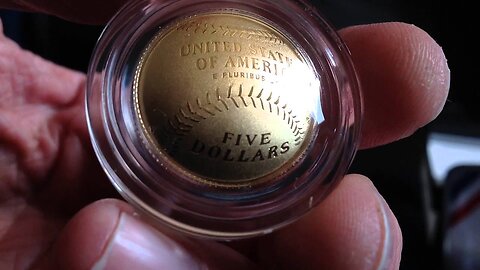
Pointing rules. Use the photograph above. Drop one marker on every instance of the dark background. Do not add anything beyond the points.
(400, 170)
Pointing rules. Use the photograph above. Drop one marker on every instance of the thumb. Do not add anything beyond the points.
(109, 235)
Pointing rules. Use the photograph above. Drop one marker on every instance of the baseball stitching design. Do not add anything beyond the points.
(192, 113)
(231, 31)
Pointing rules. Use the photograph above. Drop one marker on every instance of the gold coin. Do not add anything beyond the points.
(226, 98)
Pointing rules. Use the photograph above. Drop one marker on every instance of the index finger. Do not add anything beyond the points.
(404, 77)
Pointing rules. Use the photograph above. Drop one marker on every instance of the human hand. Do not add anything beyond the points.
(52, 215)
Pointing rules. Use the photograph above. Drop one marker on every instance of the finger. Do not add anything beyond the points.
(44, 143)
(108, 235)
(352, 229)
(404, 78)
(75, 11)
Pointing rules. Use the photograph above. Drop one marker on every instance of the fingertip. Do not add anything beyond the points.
(86, 236)
(352, 229)
(392, 254)
(404, 76)
(108, 234)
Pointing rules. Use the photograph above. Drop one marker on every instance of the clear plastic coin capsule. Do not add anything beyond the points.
(223, 119)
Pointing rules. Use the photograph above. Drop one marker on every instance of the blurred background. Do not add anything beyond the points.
(431, 180)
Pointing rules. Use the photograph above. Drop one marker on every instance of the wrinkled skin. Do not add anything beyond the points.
(53, 211)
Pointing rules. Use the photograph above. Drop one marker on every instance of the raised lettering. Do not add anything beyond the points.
(266, 66)
(272, 152)
(285, 147)
(198, 48)
(185, 50)
(242, 157)
(227, 136)
(214, 151)
(227, 156)
(255, 64)
(265, 138)
(230, 62)
(239, 136)
(201, 63)
(242, 62)
(198, 147)
(258, 155)
(251, 140)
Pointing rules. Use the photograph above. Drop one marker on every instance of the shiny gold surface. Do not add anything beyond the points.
(226, 98)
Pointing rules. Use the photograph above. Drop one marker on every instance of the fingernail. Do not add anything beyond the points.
(136, 245)
(391, 249)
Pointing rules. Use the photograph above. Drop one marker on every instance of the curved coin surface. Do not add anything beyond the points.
(226, 97)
